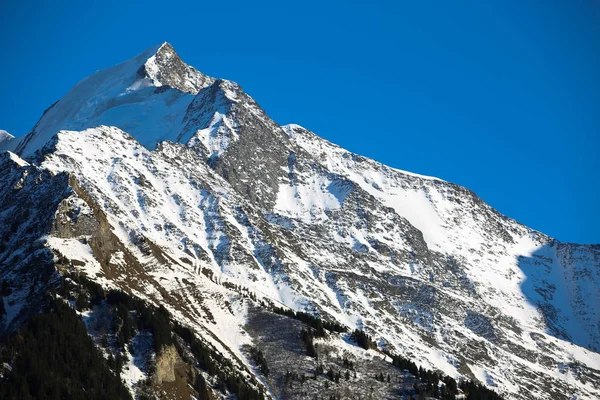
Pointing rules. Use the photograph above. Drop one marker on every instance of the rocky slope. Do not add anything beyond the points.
(177, 188)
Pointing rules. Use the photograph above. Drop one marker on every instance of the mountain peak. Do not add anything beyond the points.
(156, 85)
(165, 68)
(166, 45)
(7, 141)
(4, 135)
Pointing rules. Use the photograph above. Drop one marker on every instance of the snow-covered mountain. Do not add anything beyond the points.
(178, 189)
(7, 141)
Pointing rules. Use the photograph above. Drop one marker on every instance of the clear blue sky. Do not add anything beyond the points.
(502, 97)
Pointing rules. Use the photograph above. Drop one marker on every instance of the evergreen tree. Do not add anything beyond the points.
(2, 309)
(363, 340)
(308, 339)
(55, 358)
(331, 374)
(201, 387)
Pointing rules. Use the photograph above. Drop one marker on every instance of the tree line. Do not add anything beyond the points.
(52, 357)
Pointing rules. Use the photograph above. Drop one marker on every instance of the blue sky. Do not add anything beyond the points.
(502, 97)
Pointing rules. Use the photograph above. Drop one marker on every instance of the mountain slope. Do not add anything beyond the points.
(178, 189)
(450, 218)
(144, 95)
(7, 141)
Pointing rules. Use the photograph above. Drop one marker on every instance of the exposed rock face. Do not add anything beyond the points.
(165, 68)
(165, 365)
(204, 199)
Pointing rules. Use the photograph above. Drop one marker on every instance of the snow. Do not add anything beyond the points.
(157, 114)
(113, 96)
(137, 353)
(197, 213)
(297, 131)
(13, 304)
(291, 129)
(152, 68)
(86, 100)
(5, 136)
(7, 141)
(218, 136)
(482, 375)
(75, 250)
(169, 195)
(416, 206)
(498, 266)
(311, 199)
(18, 160)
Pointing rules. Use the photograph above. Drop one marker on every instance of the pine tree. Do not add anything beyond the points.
(2, 309)
(201, 388)
(331, 374)
(82, 302)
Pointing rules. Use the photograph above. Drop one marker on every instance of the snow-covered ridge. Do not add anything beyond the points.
(7, 141)
(18, 160)
(208, 121)
(304, 138)
(147, 96)
(4, 135)
(450, 217)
